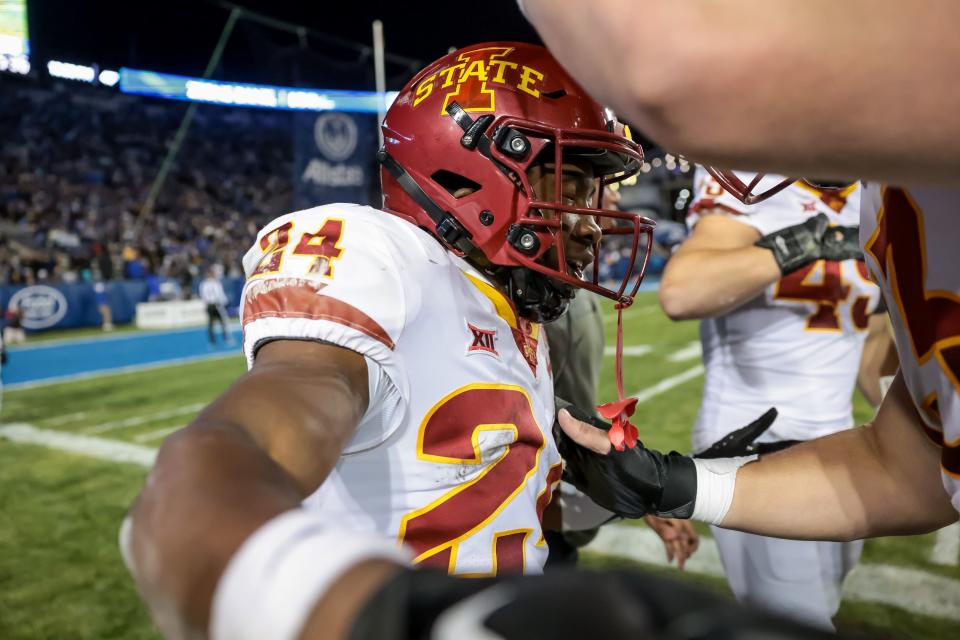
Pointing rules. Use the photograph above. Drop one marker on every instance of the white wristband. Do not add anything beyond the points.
(273, 581)
(716, 481)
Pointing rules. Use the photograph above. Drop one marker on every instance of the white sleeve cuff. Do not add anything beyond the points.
(273, 581)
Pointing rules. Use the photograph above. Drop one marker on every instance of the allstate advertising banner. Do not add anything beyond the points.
(335, 159)
(66, 306)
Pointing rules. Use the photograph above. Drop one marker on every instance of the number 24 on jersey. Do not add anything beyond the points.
(322, 245)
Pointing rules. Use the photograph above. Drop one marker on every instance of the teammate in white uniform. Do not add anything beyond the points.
(399, 403)
(909, 240)
(800, 339)
(790, 341)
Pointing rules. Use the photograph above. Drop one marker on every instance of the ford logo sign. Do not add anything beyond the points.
(41, 306)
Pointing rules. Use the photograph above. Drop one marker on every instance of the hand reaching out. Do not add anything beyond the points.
(680, 539)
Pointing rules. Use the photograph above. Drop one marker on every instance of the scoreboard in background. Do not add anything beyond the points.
(14, 38)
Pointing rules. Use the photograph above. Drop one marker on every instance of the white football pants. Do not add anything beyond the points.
(799, 579)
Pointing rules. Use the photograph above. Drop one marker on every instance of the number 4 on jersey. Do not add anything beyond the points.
(828, 294)
(323, 245)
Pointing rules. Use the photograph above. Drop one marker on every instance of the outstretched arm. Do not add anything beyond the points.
(853, 89)
(876, 480)
(269, 441)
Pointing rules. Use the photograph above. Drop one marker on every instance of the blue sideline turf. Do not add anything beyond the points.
(65, 358)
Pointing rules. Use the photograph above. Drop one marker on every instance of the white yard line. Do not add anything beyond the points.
(156, 435)
(116, 371)
(946, 550)
(69, 417)
(910, 589)
(689, 352)
(100, 448)
(668, 383)
(631, 351)
(150, 417)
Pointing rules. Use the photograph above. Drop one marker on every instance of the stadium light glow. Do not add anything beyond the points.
(14, 64)
(310, 100)
(70, 71)
(165, 85)
(244, 95)
(14, 37)
(109, 77)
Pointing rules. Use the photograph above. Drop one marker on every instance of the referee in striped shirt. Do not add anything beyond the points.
(212, 293)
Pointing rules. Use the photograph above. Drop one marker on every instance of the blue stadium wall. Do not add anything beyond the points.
(67, 306)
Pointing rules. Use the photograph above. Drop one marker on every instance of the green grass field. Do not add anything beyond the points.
(60, 572)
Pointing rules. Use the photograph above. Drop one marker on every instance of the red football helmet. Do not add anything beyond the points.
(479, 118)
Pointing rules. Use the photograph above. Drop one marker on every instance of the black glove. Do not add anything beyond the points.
(741, 441)
(630, 483)
(638, 481)
(813, 239)
(429, 605)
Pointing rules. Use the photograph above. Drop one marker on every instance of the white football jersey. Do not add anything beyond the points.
(910, 240)
(797, 347)
(455, 456)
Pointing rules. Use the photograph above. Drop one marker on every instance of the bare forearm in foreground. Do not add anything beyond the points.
(747, 79)
(870, 481)
(255, 453)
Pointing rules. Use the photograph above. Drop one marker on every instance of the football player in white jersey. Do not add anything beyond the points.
(788, 336)
(399, 401)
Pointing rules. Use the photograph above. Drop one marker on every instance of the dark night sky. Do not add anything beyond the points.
(178, 36)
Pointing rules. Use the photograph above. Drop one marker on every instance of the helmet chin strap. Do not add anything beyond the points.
(536, 297)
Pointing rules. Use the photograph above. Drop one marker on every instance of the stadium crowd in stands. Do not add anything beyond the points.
(77, 164)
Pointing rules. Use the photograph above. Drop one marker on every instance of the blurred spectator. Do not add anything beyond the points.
(13, 326)
(77, 163)
(103, 306)
(212, 293)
